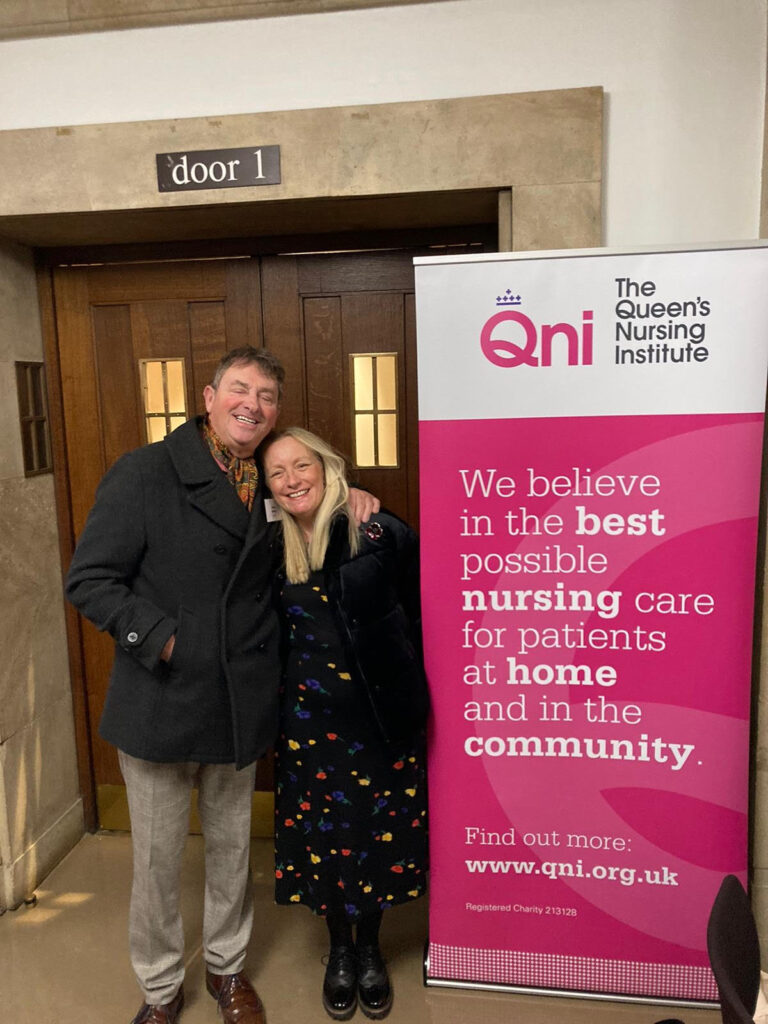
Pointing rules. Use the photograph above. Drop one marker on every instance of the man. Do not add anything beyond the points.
(175, 562)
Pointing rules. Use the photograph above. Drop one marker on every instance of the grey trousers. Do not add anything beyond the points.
(158, 800)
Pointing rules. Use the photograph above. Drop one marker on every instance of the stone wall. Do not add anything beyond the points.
(40, 807)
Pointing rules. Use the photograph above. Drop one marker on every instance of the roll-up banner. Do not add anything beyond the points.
(591, 429)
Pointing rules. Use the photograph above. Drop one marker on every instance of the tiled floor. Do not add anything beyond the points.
(65, 960)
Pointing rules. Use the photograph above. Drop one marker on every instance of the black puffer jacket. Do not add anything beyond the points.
(375, 598)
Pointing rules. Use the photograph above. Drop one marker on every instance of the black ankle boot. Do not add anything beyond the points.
(373, 983)
(340, 984)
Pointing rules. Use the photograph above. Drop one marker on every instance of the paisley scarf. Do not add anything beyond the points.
(241, 473)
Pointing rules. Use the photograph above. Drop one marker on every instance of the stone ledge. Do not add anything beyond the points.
(466, 143)
(71, 17)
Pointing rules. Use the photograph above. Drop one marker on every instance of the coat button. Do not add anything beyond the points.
(261, 647)
(220, 549)
(132, 637)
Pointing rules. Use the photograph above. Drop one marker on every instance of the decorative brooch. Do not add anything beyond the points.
(374, 531)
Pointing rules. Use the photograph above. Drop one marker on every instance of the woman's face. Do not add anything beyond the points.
(295, 477)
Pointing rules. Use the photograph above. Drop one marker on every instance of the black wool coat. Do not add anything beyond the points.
(169, 548)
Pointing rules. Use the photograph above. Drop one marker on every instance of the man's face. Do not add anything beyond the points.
(243, 408)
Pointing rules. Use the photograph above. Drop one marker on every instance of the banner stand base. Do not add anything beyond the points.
(605, 997)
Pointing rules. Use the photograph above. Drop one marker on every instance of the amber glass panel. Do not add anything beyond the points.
(363, 375)
(386, 382)
(374, 401)
(387, 437)
(177, 401)
(164, 390)
(365, 449)
(156, 428)
(154, 392)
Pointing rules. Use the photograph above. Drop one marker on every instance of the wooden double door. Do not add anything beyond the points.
(315, 312)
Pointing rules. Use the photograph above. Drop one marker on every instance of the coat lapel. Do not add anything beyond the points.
(208, 489)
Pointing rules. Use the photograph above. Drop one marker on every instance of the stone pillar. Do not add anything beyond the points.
(505, 220)
(41, 815)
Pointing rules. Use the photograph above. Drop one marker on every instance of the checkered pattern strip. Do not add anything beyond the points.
(572, 973)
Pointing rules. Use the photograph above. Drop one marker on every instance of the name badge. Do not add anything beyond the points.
(272, 510)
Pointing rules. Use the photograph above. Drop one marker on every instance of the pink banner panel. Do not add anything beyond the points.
(588, 583)
(589, 751)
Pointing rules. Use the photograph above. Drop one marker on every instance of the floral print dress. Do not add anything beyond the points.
(350, 830)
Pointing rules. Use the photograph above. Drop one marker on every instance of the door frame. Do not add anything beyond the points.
(441, 238)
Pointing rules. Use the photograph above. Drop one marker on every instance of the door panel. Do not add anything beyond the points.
(210, 331)
(283, 332)
(119, 412)
(324, 385)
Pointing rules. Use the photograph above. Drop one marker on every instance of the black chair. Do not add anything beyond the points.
(734, 952)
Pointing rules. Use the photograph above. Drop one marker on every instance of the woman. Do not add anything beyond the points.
(351, 802)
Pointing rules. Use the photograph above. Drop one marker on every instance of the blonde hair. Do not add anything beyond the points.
(301, 557)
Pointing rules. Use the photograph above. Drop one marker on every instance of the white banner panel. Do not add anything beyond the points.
(592, 334)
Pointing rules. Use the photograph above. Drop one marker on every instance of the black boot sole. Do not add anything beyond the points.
(377, 1012)
(346, 1014)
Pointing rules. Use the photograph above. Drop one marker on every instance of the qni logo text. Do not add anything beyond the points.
(510, 338)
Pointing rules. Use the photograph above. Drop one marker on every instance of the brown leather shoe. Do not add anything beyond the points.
(156, 1013)
(237, 998)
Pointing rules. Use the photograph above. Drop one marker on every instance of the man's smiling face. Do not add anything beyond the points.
(243, 409)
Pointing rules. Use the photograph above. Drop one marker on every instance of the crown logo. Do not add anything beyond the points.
(508, 299)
